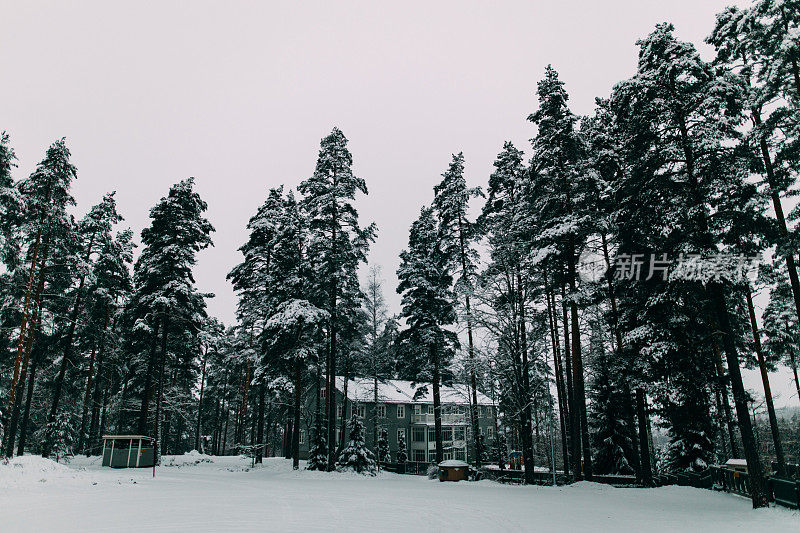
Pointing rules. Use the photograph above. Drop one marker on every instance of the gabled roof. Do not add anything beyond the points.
(400, 391)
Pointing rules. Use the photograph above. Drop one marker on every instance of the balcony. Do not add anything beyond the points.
(447, 420)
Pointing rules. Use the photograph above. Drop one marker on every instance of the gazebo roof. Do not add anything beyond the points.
(130, 437)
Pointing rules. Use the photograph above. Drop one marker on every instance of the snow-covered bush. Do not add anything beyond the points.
(356, 457)
(433, 472)
(318, 456)
(383, 446)
(402, 456)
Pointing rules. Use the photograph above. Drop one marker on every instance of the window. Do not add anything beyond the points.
(417, 409)
(419, 456)
(302, 436)
(461, 454)
(447, 455)
(431, 457)
(401, 411)
(431, 434)
(447, 433)
(401, 435)
(339, 410)
(322, 393)
(381, 410)
(430, 409)
(458, 433)
(359, 409)
(418, 434)
(490, 432)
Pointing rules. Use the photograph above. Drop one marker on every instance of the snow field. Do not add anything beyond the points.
(195, 492)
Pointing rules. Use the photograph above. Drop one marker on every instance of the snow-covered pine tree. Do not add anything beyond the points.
(57, 433)
(166, 301)
(507, 220)
(377, 365)
(611, 436)
(499, 450)
(425, 283)
(10, 205)
(781, 331)
(92, 231)
(402, 454)
(339, 244)
(355, 456)
(295, 335)
(558, 162)
(47, 230)
(383, 446)
(451, 202)
(318, 456)
(677, 114)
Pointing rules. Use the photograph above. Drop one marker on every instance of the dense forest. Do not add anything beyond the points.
(599, 286)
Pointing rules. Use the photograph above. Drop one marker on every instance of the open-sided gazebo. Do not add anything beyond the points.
(128, 451)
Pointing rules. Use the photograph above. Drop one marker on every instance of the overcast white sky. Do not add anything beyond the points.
(238, 94)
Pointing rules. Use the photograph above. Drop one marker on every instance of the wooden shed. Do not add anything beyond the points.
(453, 470)
(128, 451)
(737, 465)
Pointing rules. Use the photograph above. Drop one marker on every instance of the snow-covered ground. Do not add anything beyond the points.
(200, 493)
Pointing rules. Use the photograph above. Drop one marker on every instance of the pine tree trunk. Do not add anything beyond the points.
(562, 406)
(260, 431)
(227, 410)
(343, 424)
(160, 389)
(720, 421)
(23, 430)
(574, 421)
(36, 322)
(758, 488)
(31, 382)
(725, 402)
(577, 364)
(330, 390)
(200, 404)
(437, 403)
(525, 412)
(762, 365)
(794, 371)
(626, 389)
(95, 420)
(644, 442)
(24, 322)
(298, 383)
(375, 409)
(148, 380)
(86, 397)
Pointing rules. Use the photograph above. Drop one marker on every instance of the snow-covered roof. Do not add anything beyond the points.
(736, 462)
(400, 391)
(126, 437)
(453, 463)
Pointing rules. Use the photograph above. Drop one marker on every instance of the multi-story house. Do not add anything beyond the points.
(406, 410)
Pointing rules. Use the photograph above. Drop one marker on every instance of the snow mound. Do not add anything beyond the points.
(33, 469)
(188, 459)
(591, 485)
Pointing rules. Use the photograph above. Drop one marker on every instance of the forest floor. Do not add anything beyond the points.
(200, 493)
